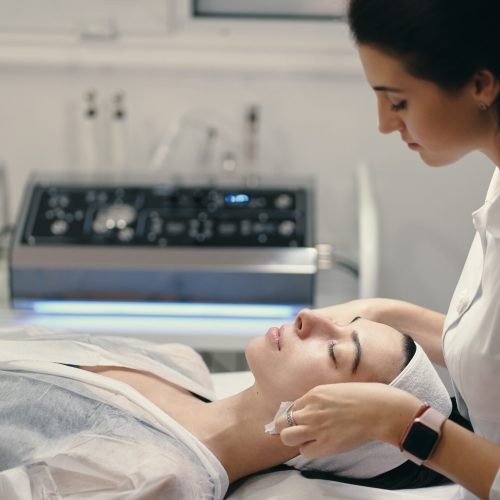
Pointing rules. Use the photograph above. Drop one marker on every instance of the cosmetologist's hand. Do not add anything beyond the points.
(335, 418)
(346, 312)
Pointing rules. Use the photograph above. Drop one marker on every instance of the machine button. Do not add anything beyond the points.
(283, 201)
(59, 227)
(286, 228)
(200, 229)
(102, 197)
(260, 228)
(63, 201)
(60, 213)
(156, 225)
(227, 228)
(246, 227)
(463, 301)
(175, 227)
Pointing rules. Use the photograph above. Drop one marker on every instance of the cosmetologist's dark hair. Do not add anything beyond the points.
(443, 41)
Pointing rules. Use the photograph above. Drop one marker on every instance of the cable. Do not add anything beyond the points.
(347, 264)
(328, 259)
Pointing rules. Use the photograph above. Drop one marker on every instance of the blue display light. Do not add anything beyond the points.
(236, 198)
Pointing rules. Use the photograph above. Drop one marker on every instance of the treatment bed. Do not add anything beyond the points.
(142, 465)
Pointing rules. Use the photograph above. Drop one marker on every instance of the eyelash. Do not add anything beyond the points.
(398, 106)
(331, 345)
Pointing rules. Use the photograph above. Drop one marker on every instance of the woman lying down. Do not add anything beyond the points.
(85, 416)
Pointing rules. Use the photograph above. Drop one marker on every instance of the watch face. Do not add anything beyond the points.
(420, 440)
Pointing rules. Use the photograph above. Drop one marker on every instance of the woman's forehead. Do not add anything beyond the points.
(380, 338)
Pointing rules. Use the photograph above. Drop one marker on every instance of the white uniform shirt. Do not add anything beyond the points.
(471, 339)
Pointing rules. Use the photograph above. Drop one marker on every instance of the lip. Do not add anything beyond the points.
(274, 336)
(413, 145)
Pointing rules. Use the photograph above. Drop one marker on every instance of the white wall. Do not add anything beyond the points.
(327, 124)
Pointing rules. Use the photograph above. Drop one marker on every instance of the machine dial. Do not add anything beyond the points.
(59, 227)
(117, 216)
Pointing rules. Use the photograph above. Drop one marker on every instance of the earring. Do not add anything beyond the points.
(483, 106)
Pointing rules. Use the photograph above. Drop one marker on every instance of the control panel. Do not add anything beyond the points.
(166, 216)
(153, 242)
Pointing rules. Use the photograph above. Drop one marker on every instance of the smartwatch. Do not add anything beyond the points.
(422, 434)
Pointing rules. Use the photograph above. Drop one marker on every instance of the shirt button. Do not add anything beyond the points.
(462, 302)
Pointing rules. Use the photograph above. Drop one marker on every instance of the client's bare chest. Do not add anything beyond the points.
(173, 400)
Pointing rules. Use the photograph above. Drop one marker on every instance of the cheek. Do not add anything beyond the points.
(291, 388)
(286, 377)
(425, 128)
(305, 373)
(441, 130)
(272, 375)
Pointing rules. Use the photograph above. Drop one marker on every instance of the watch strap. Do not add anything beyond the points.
(433, 419)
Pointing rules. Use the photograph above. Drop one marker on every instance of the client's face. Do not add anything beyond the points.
(290, 360)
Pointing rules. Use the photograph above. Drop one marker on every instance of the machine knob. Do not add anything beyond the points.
(117, 216)
(283, 201)
(286, 228)
(59, 227)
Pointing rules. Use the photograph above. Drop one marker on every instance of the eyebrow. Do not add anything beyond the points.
(383, 88)
(357, 351)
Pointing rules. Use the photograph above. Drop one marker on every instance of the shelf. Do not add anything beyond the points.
(199, 50)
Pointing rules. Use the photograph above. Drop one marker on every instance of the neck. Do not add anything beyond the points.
(233, 429)
(492, 144)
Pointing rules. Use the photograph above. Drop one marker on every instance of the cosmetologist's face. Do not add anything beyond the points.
(441, 126)
(292, 359)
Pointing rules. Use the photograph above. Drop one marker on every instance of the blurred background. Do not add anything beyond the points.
(199, 88)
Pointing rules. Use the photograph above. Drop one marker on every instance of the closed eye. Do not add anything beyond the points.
(331, 345)
(399, 106)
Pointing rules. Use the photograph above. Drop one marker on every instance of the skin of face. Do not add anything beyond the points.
(441, 126)
(301, 359)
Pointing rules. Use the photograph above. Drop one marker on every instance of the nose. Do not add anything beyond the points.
(388, 120)
(308, 322)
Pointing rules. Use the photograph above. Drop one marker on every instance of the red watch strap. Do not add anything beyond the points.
(419, 413)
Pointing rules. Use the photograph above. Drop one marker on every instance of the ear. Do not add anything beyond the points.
(486, 87)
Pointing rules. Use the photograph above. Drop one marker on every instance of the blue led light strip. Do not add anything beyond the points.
(163, 309)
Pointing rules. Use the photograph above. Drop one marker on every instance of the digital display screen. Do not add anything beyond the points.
(420, 440)
(236, 199)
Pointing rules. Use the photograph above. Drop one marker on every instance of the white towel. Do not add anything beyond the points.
(420, 378)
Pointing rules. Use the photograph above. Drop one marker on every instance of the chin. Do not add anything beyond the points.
(437, 161)
(441, 160)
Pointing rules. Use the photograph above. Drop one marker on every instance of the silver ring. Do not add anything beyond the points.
(289, 418)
